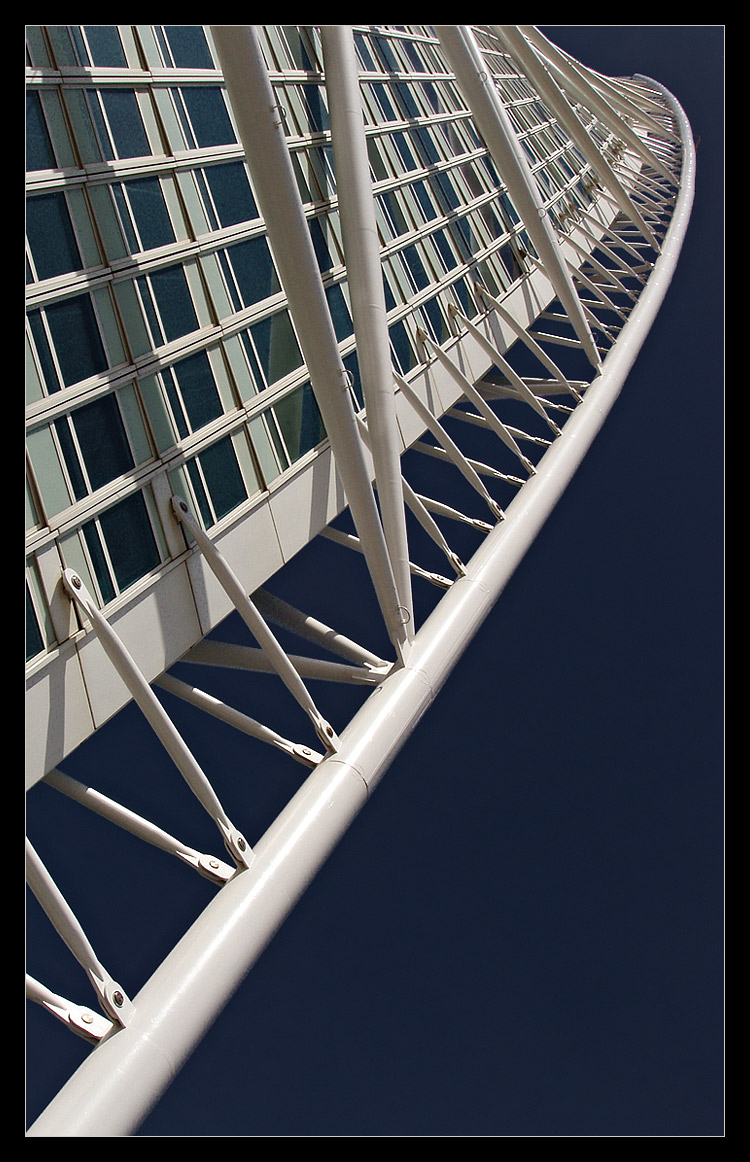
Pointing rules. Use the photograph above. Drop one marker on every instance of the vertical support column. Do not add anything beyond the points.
(363, 263)
(262, 136)
(477, 87)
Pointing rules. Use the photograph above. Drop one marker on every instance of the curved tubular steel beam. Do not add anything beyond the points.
(261, 132)
(493, 122)
(114, 1089)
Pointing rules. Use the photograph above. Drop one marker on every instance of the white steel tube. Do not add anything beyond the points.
(114, 1089)
(259, 125)
(365, 280)
(576, 82)
(493, 122)
(255, 623)
(157, 717)
(559, 105)
(304, 625)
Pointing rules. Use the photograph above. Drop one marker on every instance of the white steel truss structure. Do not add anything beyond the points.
(505, 225)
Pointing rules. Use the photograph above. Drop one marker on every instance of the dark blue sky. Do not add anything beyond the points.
(522, 934)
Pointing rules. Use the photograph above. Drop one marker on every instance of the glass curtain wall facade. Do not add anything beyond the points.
(161, 354)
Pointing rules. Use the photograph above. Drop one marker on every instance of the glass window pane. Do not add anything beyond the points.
(51, 238)
(322, 253)
(70, 457)
(209, 116)
(198, 389)
(223, 477)
(342, 321)
(39, 152)
(105, 45)
(276, 346)
(254, 270)
(231, 192)
(150, 212)
(199, 492)
(125, 122)
(102, 440)
(188, 46)
(300, 421)
(130, 540)
(76, 339)
(175, 304)
(99, 561)
(34, 643)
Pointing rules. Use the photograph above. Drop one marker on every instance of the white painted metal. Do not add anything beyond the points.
(79, 1019)
(573, 78)
(479, 90)
(115, 1088)
(502, 365)
(449, 446)
(365, 280)
(255, 623)
(158, 718)
(475, 397)
(110, 994)
(207, 865)
(548, 89)
(282, 613)
(261, 132)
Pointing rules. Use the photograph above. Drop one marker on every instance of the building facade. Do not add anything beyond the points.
(161, 353)
(169, 357)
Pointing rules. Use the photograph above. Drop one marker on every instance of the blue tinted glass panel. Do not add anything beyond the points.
(43, 351)
(105, 45)
(34, 643)
(427, 145)
(130, 540)
(187, 43)
(405, 152)
(223, 478)
(319, 119)
(199, 492)
(300, 421)
(276, 346)
(198, 389)
(102, 440)
(150, 212)
(446, 252)
(254, 270)
(385, 52)
(70, 457)
(125, 123)
(406, 100)
(416, 267)
(342, 321)
(175, 304)
(99, 561)
(320, 246)
(51, 238)
(76, 339)
(39, 153)
(446, 194)
(209, 116)
(231, 192)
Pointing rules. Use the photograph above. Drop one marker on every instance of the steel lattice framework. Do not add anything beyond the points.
(525, 370)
